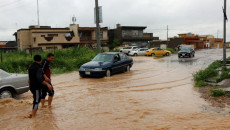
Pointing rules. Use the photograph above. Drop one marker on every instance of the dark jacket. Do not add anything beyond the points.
(35, 76)
(46, 68)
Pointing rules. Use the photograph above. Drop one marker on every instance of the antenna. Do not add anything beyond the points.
(38, 12)
(74, 19)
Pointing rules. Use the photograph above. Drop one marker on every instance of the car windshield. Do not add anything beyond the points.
(103, 57)
(127, 48)
(3, 74)
(185, 48)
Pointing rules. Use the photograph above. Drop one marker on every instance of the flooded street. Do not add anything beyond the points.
(158, 93)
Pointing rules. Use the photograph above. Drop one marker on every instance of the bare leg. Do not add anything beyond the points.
(43, 103)
(33, 114)
(50, 98)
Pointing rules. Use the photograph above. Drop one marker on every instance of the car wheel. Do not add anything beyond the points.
(178, 56)
(152, 54)
(6, 93)
(128, 68)
(167, 54)
(193, 55)
(135, 54)
(108, 73)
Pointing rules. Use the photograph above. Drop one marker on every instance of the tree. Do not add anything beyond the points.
(115, 43)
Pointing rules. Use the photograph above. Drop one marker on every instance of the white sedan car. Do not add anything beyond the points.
(12, 84)
(138, 52)
(127, 49)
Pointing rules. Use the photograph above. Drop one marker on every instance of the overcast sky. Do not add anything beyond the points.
(201, 17)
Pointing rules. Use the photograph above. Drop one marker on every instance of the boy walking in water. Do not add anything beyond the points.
(47, 75)
(36, 80)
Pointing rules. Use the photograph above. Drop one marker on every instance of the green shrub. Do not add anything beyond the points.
(172, 50)
(215, 64)
(115, 43)
(217, 92)
(66, 60)
(200, 83)
(209, 72)
(205, 74)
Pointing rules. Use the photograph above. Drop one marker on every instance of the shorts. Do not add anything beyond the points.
(37, 98)
(46, 90)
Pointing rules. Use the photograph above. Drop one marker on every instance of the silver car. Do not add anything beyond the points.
(138, 52)
(12, 84)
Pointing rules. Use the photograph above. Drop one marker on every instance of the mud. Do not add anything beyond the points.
(221, 101)
(158, 93)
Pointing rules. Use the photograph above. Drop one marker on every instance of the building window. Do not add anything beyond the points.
(43, 35)
(51, 48)
(101, 34)
(135, 32)
(52, 35)
(34, 39)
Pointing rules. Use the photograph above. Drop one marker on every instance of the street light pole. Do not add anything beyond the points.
(224, 44)
(98, 27)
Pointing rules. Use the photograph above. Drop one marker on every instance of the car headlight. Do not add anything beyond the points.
(81, 69)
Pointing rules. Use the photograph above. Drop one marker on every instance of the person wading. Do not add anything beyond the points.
(36, 80)
(47, 75)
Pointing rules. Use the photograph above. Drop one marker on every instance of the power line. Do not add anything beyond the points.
(10, 3)
(10, 8)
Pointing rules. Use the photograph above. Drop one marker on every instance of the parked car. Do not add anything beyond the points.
(138, 52)
(157, 51)
(177, 48)
(127, 49)
(12, 84)
(186, 52)
(106, 64)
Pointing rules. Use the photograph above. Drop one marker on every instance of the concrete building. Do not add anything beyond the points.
(3, 44)
(45, 37)
(131, 35)
(88, 35)
(187, 39)
(211, 42)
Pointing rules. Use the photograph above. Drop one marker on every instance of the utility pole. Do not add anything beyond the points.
(38, 12)
(224, 46)
(98, 27)
(167, 35)
(1, 55)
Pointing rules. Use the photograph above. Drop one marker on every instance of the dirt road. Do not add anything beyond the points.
(158, 93)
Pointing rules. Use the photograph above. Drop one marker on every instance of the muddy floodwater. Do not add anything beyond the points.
(158, 93)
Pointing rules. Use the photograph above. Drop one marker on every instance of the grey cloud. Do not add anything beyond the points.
(182, 16)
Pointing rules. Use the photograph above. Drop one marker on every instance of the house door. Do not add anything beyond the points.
(218, 45)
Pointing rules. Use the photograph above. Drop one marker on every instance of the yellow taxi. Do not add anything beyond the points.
(157, 51)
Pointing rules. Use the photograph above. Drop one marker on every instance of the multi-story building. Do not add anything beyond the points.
(3, 44)
(45, 37)
(207, 39)
(211, 42)
(88, 35)
(131, 35)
